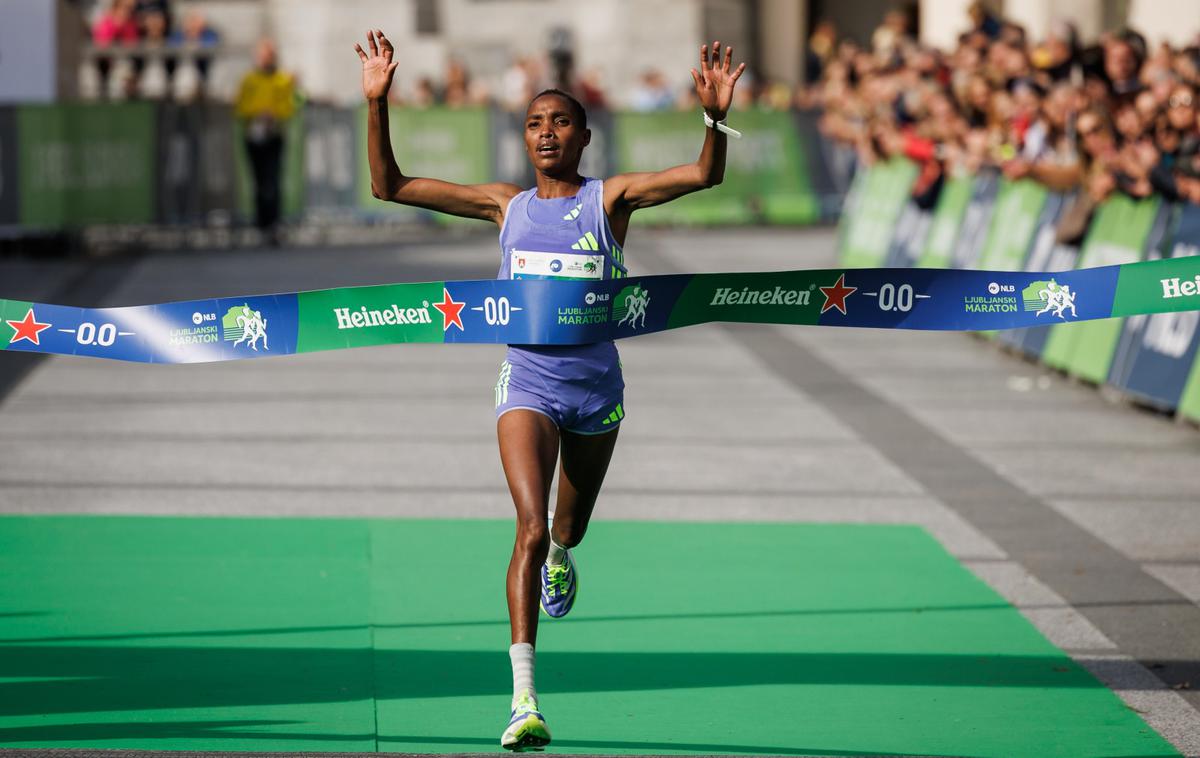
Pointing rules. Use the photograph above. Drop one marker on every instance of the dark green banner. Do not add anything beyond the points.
(947, 217)
(442, 143)
(766, 175)
(1014, 222)
(86, 164)
(866, 233)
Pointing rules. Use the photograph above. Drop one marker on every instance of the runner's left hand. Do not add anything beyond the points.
(714, 81)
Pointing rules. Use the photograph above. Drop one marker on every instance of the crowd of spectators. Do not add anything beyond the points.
(143, 51)
(1114, 116)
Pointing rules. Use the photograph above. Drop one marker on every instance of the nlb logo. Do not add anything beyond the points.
(1176, 287)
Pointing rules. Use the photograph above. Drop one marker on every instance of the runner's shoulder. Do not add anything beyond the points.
(615, 187)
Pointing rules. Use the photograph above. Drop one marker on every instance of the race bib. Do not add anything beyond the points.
(526, 264)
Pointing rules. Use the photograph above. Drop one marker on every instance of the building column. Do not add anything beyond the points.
(942, 21)
(1036, 15)
(782, 33)
(1173, 21)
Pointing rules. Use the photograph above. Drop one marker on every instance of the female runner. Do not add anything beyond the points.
(552, 403)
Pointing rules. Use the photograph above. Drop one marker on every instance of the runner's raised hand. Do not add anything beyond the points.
(714, 81)
(378, 67)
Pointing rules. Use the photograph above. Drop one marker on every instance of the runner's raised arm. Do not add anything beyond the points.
(482, 201)
(715, 81)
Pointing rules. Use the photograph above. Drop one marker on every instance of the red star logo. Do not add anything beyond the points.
(27, 328)
(451, 311)
(835, 296)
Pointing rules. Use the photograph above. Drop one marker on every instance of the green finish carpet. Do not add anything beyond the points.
(392, 635)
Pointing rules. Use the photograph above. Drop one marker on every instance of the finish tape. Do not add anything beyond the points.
(548, 312)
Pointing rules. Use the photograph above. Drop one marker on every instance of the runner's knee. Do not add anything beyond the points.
(569, 532)
(533, 540)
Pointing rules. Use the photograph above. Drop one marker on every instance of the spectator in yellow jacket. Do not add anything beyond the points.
(265, 101)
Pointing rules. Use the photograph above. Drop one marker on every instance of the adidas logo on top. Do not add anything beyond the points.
(573, 213)
(586, 242)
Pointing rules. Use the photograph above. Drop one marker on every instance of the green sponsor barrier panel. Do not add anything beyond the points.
(440, 143)
(1013, 224)
(952, 204)
(869, 229)
(86, 164)
(291, 180)
(849, 210)
(766, 173)
(1117, 235)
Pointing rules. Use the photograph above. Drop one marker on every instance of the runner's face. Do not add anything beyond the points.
(553, 139)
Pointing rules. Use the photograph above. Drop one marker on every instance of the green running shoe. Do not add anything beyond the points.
(526, 728)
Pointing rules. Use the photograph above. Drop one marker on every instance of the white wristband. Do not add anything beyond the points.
(720, 126)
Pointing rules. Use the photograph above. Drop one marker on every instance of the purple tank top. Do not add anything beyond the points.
(561, 238)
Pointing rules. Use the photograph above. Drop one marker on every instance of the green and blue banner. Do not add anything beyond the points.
(546, 312)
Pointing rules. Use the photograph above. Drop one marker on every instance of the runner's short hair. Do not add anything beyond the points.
(576, 107)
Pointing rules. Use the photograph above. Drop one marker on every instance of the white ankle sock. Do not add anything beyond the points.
(557, 553)
(521, 655)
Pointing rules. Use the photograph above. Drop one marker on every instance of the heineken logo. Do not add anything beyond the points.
(364, 318)
(747, 296)
(1176, 287)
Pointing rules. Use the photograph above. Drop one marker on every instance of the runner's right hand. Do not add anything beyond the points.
(378, 67)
